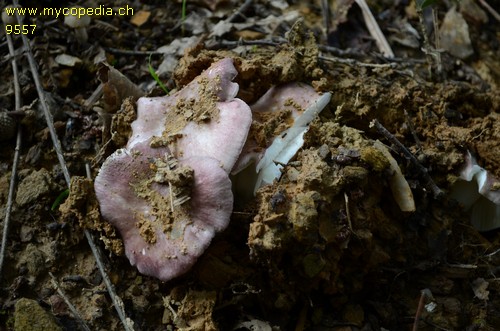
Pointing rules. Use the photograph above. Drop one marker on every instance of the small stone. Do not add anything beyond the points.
(29, 316)
(33, 259)
(455, 36)
(33, 186)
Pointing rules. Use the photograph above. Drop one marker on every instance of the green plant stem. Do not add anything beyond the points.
(153, 74)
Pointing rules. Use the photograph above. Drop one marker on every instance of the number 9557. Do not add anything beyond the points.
(20, 29)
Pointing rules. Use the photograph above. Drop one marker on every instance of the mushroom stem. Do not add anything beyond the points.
(81, 35)
(79, 23)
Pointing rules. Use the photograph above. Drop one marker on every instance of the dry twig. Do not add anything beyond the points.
(13, 176)
(325, 10)
(357, 63)
(131, 52)
(43, 102)
(428, 182)
(490, 10)
(374, 29)
(127, 323)
(240, 11)
(216, 44)
(68, 303)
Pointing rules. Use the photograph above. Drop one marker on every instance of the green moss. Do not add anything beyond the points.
(374, 158)
(313, 264)
(29, 316)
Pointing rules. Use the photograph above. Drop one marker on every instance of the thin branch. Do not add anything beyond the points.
(131, 52)
(374, 29)
(428, 182)
(325, 10)
(69, 304)
(353, 62)
(15, 162)
(490, 9)
(240, 10)
(17, 54)
(128, 324)
(96, 95)
(41, 95)
(242, 42)
(341, 52)
(217, 44)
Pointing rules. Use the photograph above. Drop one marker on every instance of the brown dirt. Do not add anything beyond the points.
(326, 247)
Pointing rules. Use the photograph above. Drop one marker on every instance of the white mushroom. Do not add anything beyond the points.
(9, 19)
(478, 191)
(79, 23)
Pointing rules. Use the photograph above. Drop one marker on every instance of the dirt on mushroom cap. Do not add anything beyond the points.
(199, 109)
(436, 248)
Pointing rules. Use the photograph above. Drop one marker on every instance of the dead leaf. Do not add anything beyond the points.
(249, 34)
(116, 87)
(140, 17)
(67, 60)
(479, 286)
(455, 36)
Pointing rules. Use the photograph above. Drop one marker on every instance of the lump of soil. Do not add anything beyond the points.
(194, 312)
(36, 184)
(33, 259)
(29, 316)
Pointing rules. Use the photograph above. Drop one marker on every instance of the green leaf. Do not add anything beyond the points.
(183, 14)
(153, 74)
(425, 3)
(64, 194)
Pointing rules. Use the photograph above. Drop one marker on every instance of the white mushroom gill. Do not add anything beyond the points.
(478, 191)
(286, 145)
(400, 188)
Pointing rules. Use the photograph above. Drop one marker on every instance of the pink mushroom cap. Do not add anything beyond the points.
(175, 252)
(136, 204)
